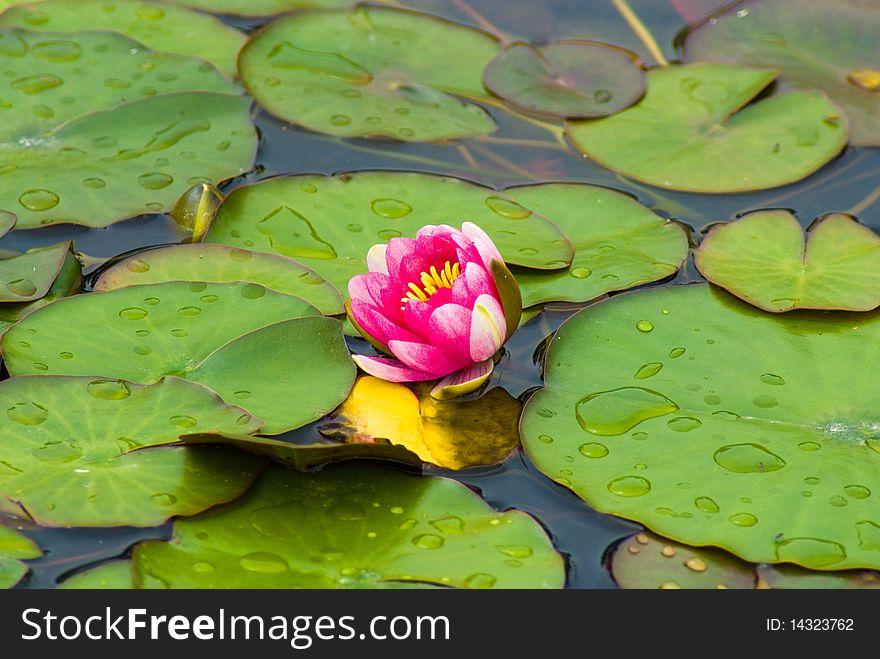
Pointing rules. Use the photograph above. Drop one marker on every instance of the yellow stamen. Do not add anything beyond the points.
(432, 281)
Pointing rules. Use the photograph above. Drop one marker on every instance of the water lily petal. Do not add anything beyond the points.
(479, 281)
(357, 289)
(468, 379)
(417, 315)
(376, 259)
(385, 294)
(377, 325)
(397, 250)
(390, 369)
(427, 358)
(450, 327)
(485, 246)
(488, 328)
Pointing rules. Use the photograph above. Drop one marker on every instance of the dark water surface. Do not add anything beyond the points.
(518, 153)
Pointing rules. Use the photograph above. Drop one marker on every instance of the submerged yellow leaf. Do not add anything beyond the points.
(455, 433)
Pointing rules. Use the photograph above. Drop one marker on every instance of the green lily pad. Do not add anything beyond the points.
(690, 132)
(14, 547)
(173, 117)
(582, 79)
(222, 264)
(330, 222)
(83, 451)
(156, 25)
(714, 423)
(67, 282)
(305, 457)
(113, 575)
(790, 577)
(371, 72)
(648, 561)
(353, 526)
(260, 7)
(255, 347)
(7, 222)
(618, 242)
(765, 260)
(842, 58)
(29, 276)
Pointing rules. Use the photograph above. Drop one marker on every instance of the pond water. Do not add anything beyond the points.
(518, 153)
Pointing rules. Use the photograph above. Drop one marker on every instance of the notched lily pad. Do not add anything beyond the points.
(648, 561)
(371, 72)
(691, 132)
(353, 526)
(109, 467)
(582, 79)
(329, 223)
(455, 434)
(113, 575)
(715, 423)
(842, 58)
(618, 242)
(222, 264)
(156, 25)
(765, 259)
(29, 276)
(242, 340)
(14, 547)
(176, 120)
(68, 281)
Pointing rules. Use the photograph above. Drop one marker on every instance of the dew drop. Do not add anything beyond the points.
(507, 208)
(390, 208)
(743, 519)
(155, 180)
(593, 450)
(37, 83)
(109, 389)
(263, 562)
(616, 411)
(580, 273)
(347, 511)
(137, 265)
(809, 446)
(838, 501)
(340, 120)
(629, 486)
(27, 414)
(133, 313)
(648, 370)
(183, 421)
(748, 459)
(22, 287)
(428, 541)
(38, 199)
(772, 379)
(869, 535)
(480, 581)
(448, 524)
(857, 491)
(163, 499)
(765, 402)
(252, 291)
(684, 423)
(675, 353)
(811, 551)
(644, 326)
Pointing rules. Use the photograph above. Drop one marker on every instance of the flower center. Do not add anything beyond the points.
(431, 282)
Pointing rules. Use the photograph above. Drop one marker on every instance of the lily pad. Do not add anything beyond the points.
(222, 264)
(330, 222)
(83, 451)
(371, 72)
(260, 7)
(842, 58)
(29, 276)
(353, 526)
(648, 561)
(255, 347)
(455, 434)
(765, 260)
(691, 132)
(7, 222)
(308, 456)
(156, 25)
(67, 282)
(582, 79)
(618, 242)
(791, 577)
(714, 423)
(173, 117)
(113, 575)
(14, 547)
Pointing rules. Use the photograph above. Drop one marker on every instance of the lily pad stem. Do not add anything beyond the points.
(641, 31)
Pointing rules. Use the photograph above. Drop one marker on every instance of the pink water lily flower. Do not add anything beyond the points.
(441, 305)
